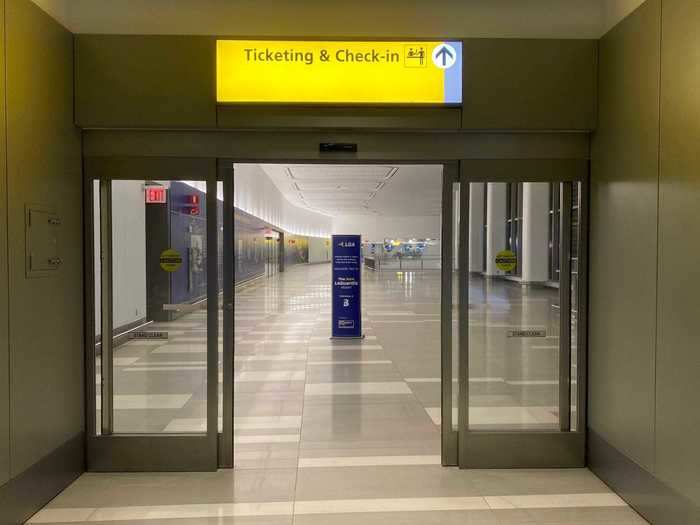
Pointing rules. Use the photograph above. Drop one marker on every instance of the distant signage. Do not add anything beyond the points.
(156, 195)
(269, 233)
(527, 333)
(347, 286)
(506, 261)
(148, 335)
(192, 205)
(337, 72)
(170, 260)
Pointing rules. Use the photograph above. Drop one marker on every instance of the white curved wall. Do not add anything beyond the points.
(256, 194)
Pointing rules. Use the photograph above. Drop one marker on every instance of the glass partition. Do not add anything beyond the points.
(159, 300)
(515, 311)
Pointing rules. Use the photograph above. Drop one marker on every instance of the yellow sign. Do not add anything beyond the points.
(170, 260)
(506, 261)
(333, 72)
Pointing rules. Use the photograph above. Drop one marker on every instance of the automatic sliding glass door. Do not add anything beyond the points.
(157, 279)
(521, 332)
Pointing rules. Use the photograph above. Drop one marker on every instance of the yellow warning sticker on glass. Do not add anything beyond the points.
(336, 72)
(170, 260)
(506, 261)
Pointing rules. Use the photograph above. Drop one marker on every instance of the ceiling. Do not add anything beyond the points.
(369, 18)
(381, 190)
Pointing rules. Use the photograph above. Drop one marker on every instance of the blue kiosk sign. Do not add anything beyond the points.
(347, 286)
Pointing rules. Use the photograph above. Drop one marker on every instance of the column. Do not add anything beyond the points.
(535, 232)
(476, 226)
(495, 224)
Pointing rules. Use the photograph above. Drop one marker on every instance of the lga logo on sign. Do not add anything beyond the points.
(346, 323)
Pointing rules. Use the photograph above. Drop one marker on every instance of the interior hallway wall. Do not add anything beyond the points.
(45, 425)
(129, 245)
(256, 194)
(319, 250)
(643, 343)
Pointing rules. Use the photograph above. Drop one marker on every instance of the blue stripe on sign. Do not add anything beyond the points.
(453, 77)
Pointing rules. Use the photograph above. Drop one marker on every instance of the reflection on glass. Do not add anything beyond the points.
(159, 306)
(514, 313)
(97, 268)
(575, 264)
(455, 306)
(220, 299)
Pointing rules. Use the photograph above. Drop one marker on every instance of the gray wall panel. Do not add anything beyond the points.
(529, 84)
(645, 285)
(678, 354)
(44, 168)
(4, 347)
(623, 240)
(145, 81)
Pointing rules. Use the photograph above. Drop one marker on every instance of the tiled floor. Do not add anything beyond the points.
(342, 433)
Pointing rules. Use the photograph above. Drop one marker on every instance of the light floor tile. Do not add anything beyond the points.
(296, 332)
(124, 361)
(181, 349)
(215, 510)
(340, 389)
(51, 515)
(386, 314)
(367, 461)
(161, 362)
(164, 368)
(333, 347)
(270, 375)
(439, 380)
(401, 321)
(188, 425)
(266, 422)
(266, 438)
(272, 341)
(350, 506)
(147, 401)
(327, 338)
(359, 363)
(498, 415)
(555, 501)
(271, 357)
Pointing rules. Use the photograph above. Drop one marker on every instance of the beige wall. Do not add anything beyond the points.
(321, 18)
(678, 338)
(624, 196)
(45, 314)
(4, 328)
(645, 282)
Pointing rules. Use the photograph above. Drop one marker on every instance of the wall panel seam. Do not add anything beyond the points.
(657, 327)
(7, 243)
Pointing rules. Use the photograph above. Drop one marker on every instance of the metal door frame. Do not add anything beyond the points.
(130, 451)
(191, 153)
(528, 449)
(449, 177)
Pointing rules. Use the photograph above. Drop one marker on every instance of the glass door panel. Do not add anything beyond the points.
(521, 378)
(159, 307)
(156, 292)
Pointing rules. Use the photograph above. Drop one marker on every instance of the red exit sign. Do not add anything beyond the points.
(156, 195)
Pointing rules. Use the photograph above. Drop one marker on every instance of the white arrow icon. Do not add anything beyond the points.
(444, 56)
